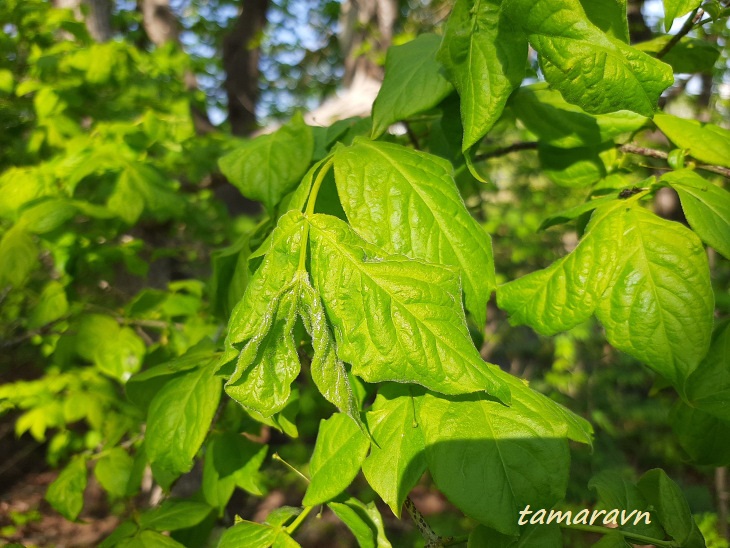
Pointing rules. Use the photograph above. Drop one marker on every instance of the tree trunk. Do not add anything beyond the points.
(98, 18)
(241, 62)
(159, 21)
(362, 21)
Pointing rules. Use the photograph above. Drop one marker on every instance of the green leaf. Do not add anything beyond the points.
(260, 331)
(677, 8)
(420, 215)
(120, 355)
(706, 142)
(560, 124)
(396, 461)
(614, 491)
(149, 539)
(235, 457)
(572, 167)
(612, 540)
(670, 506)
(46, 216)
(328, 371)
(413, 82)
(575, 212)
(364, 521)
(52, 305)
(491, 460)
(174, 514)
(609, 16)
(538, 536)
(338, 453)
(704, 437)
(484, 55)
(139, 186)
(66, 493)
(706, 206)
(113, 471)
(126, 201)
(708, 388)
(19, 256)
(590, 69)
(660, 304)
(268, 167)
(395, 319)
(647, 280)
(179, 417)
(689, 55)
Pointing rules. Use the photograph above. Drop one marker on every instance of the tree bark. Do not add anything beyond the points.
(362, 21)
(159, 21)
(241, 54)
(98, 18)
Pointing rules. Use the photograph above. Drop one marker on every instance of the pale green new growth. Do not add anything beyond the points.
(484, 55)
(406, 202)
(591, 69)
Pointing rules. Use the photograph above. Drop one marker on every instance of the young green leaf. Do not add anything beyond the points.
(269, 166)
(507, 457)
(149, 539)
(395, 319)
(174, 514)
(413, 82)
(328, 371)
(689, 55)
(484, 55)
(609, 16)
(52, 305)
(397, 462)
(248, 534)
(670, 506)
(179, 417)
(338, 453)
(704, 437)
(233, 460)
(364, 521)
(614, 491)
(560, 124)
(406, 202)
(660, 304)
(113, 471)
(706, 206)
(706, 142)
(708, 388)
(647, 279)
(677, 8)
(590, 69)
(260, 335)
(572, 167)
(66, 493)
(19, 256)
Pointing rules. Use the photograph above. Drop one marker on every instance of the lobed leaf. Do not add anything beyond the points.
(646, 279)
(484, 55)
(406, 202)
(395, 319)
(590, 69)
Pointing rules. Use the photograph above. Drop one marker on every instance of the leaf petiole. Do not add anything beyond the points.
(311, 201)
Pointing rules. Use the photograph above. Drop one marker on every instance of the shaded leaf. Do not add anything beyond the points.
(413, 82)
(66, 493)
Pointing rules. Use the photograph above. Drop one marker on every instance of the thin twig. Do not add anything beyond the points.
(412, 136)
(688, 24)
(516, 147)
(661, 155)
